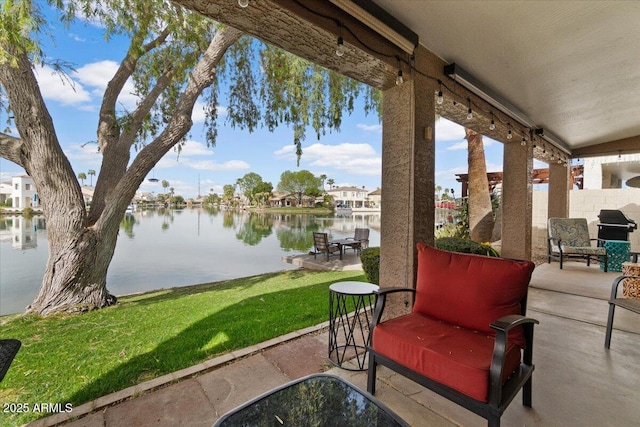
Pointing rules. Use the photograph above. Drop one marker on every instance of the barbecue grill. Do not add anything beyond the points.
(615, 225)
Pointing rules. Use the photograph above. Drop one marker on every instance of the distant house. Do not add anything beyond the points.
(352, 197)
(23, 193)
(6, 189)
(282, 200)
(375, 198)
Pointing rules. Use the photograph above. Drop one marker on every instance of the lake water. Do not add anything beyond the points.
(167, 248)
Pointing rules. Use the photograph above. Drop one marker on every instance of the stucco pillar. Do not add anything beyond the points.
(408, 135)
(517, 201)
(559, 185)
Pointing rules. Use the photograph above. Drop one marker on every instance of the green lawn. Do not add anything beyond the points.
(74, 359)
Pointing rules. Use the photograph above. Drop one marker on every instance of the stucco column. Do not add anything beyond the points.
(408, 152)
(517, 200)
(559, 183)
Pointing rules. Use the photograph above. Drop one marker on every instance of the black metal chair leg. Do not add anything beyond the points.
(607, 337)
(526, 393)
(371, 375)
(494, 422)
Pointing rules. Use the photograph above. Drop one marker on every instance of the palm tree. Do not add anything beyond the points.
(91, 173)
(323, 177)
(330, 182)
(481, 218)
(82, 176)
(438, 191)
(165, 185)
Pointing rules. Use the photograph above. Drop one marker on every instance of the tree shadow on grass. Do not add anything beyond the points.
(217, 334)
(160, 295)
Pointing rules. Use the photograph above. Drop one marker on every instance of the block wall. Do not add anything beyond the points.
(587, 204)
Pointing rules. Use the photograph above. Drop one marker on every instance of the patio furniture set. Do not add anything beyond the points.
(569, 238)
(467, 337)
(323, 245)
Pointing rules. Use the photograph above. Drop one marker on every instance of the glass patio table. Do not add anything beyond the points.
(320, 400)
(8, 350)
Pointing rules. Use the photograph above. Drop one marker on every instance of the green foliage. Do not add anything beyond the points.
(20, 20)
(255, 228)
(370, 258)
(455, 244)
(27, 212)
(300, 183)
(212, 199)
(452, 230)
(254, 188)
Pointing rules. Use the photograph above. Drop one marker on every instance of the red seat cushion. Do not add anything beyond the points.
(470, 291)
(458, 358)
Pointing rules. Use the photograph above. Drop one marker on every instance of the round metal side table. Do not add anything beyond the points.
(350, 308)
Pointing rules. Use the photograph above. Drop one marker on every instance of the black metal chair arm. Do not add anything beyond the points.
(385, 291)
(381, 300)
(502, 327)
(554, 239)
(508, 322)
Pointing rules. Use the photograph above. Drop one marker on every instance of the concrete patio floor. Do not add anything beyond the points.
(576, 383)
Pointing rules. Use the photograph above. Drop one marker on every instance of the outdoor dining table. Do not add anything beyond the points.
(344, 242)
(322, 400)
(8, 350)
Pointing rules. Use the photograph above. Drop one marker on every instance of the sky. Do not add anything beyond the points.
(351, 157)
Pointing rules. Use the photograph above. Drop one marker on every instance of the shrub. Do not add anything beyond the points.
(455, 244)
(370, 258)
(27, 212)
(452, 230)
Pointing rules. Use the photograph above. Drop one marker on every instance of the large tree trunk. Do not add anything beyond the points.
(480, 213)
(75, 277)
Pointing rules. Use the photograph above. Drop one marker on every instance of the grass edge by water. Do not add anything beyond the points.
(155, 333)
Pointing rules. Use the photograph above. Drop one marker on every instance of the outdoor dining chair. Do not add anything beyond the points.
(569, 238)
(360, 238)
(322, 245)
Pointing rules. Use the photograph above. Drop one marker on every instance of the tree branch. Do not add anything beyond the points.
(11, 149)
(202, 77)
(107, 126)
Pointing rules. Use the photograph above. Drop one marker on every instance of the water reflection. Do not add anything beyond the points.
(168, 248)
(22, 231)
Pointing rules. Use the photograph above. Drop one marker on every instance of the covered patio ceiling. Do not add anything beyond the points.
(573, 67)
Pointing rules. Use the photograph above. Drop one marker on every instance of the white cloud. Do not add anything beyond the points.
(457, 146)
(451, 173)
(462, 145)
(195, 148)
(61, 88)
(98, 74)
(209, 165)
(369, 128)
(448, 131)
(85, 154)
(76, 37)
(198, 115)
(357, 159)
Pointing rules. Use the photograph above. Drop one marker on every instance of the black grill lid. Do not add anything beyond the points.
(614, 216)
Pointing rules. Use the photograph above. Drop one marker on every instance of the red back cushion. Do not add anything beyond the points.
(470, 291)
